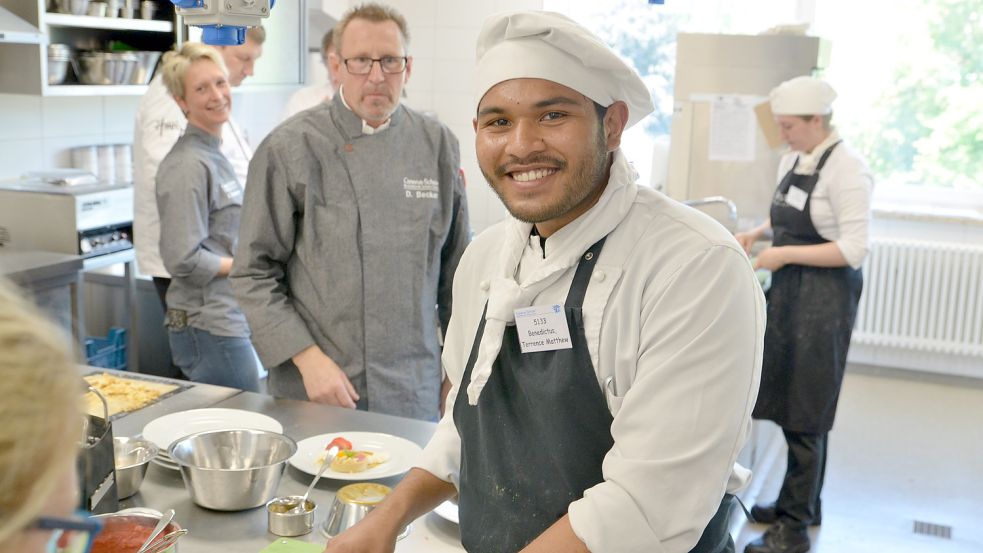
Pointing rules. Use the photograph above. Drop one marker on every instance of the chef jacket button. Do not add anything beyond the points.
(485, 285)
(599, 276)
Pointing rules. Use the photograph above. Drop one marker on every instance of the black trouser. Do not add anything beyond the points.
(798, 501)
(161, 284)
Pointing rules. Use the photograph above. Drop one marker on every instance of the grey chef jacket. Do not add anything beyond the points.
(350, 241)
(199, 199)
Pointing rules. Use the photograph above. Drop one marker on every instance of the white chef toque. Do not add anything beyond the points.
(802, 96)
(550, 46)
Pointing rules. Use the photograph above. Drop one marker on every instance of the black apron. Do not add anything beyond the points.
(811, 311)
(536, 439)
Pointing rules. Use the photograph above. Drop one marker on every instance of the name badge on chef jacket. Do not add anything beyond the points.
(796, 197)
(542, 328)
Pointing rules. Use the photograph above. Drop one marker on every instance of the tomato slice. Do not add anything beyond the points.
(342, 444)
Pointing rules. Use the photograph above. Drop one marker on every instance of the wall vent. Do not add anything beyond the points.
(931, 529)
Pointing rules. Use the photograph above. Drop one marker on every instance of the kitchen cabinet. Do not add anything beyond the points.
(24, 67)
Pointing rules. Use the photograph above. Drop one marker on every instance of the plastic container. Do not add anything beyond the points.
(108, 352)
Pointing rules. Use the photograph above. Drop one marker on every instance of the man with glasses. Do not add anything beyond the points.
(353, 223)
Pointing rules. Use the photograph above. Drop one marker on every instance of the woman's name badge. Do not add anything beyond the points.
(796, 197)
(542, 328)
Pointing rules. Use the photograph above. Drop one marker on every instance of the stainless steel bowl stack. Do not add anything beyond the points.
(132, 459)
(146, 63)
(232, 470)
(59, 56)
(74, 7)
(107, 68)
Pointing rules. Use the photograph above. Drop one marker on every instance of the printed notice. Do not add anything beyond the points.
(542, 328)
(732, 129)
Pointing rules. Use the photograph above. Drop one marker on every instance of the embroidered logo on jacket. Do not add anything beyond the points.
(425, 188)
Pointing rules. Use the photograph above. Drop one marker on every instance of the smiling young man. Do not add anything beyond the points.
(606, 342)
(354, 221)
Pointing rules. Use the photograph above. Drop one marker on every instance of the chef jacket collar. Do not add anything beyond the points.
(366, 128)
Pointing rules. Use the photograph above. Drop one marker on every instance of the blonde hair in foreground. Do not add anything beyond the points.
(40, 392)
(177, 62)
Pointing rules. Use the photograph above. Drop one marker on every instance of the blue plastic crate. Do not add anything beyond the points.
(108, 352)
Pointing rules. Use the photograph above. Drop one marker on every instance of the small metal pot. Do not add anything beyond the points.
(132, 459)
(351, 504)
(284, 521)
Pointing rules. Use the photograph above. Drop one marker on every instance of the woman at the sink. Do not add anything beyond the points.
(199, 199)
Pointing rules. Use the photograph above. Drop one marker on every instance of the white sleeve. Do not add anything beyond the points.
(850, 187)
(685, 418)
(159, 123)
(236, 149)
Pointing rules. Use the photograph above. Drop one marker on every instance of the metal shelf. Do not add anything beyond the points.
(111, 23)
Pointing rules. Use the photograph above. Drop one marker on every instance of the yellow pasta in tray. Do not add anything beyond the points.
(122, 394)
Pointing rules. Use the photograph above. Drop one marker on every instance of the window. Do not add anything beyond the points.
(909, 75)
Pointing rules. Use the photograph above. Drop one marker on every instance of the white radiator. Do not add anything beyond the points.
(922, 296)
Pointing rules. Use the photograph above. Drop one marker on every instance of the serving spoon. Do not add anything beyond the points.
(302, 505)
(165, 519)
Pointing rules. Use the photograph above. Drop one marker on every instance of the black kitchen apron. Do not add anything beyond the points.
(536, 439)
(811, 311)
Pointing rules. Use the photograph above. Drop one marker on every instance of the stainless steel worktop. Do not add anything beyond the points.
(246, 531)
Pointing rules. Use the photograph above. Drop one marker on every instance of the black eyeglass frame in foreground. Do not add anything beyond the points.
(82, 523)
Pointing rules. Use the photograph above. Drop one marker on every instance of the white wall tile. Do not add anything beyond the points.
(21, 116)
(119, 113)
(421, 77)
(57, 149)
(456, 43)
(456, 110)
(463, 13)
(20, 155)
(416, 12)
(513, 5)
(422, 40)
(454, 76)
(71, 116)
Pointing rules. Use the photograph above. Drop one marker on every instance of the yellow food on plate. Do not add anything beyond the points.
(122, 394)
(351, 460)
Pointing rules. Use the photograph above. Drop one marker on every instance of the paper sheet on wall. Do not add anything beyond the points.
(732, 129)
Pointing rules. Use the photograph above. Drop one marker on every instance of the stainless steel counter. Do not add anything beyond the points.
(246, 531)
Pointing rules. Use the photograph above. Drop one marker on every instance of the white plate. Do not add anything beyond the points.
(164, 431)
(447, 511)
(403, 454)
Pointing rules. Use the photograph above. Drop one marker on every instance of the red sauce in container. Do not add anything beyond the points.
(125, 534)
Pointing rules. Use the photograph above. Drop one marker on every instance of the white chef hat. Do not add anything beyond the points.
(550, 46)
(802, 96)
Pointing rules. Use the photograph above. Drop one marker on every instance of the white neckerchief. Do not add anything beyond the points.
(505, 295)
(808, 161)
(366, 128)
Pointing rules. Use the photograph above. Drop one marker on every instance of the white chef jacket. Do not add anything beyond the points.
(840, 207)
(306, 98)
(674, 319)
(159, 123)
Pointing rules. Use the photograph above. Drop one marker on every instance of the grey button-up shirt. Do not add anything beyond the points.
(350, 241)
(199, 200)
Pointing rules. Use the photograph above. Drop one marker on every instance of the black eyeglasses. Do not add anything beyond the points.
(72, 535)
(362, 65)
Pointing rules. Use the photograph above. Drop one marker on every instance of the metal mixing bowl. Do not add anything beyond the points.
(147, 62)
(132, 459)
(59, 56)
(232, 470)
(351, 504)
(107, 68)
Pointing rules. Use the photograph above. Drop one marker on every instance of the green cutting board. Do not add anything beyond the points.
(287, 545)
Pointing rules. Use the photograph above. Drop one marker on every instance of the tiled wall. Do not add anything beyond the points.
(37, 133)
